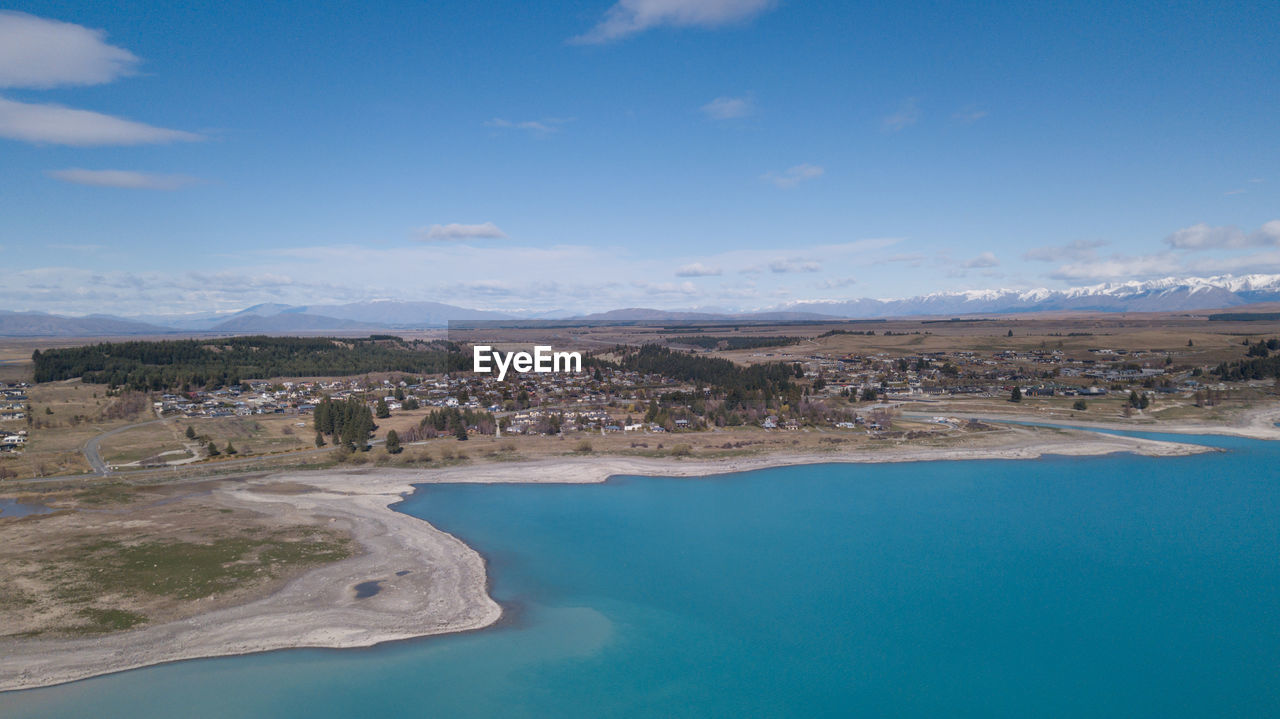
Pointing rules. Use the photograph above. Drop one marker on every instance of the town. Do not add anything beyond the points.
(889, 383)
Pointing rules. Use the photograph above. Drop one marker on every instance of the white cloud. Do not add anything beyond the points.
(1120, 267)
(728, 108)
(538, 128)
(588, 277)
(986, 259)
(628, 17)
(79, 291)
(60, 125)
(40, 53)
(907, 115)
(793, 176)
(837, 283)
(1181, 259)
(456, 231)
(1268, 234)
(1075, 250)
(127, 179)
(1204, 237)
(697, 269)
(786, 266)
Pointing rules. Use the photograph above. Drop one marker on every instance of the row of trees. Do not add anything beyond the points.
(175, 364)
(736, 384)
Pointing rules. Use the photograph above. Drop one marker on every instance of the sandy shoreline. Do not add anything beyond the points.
(432, 583)
(1256, 423)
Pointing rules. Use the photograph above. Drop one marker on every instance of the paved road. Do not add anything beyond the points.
(94, 456)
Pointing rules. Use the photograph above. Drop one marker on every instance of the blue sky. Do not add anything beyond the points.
(590, 155)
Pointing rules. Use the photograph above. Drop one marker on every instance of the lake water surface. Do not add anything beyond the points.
(1063, 587)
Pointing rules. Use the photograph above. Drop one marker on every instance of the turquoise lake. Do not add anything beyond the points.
(1061, 587)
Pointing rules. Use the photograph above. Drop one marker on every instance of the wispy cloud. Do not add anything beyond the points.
(969, 114)
(629, 17)
(537, 128)
(796, 265)
(697, 269)
(58, 125)
(126, 179)
(904, 117)
(1206, 237)
(793, 176)
(40, 53)
(914, 259)
(837, 283)
(666, 288)
(456, 231)
(728, 108)
(1182, 258)
(1120, 267)
(587, 277)
(986, 259)
(1075, 250)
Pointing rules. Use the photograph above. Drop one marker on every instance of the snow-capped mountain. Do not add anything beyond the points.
(1163, 295)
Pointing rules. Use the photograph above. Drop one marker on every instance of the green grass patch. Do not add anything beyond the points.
(102, 621)
(106, 493)
(193, 570)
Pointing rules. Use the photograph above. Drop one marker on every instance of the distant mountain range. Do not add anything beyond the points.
(1166, 295)
(39, 324)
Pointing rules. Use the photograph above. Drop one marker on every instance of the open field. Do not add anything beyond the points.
(248, 435)
(1213, 341)
(114, 556)
(65, 415)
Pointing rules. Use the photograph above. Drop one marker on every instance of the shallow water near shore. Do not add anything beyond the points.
(1113, 586)
(14, 508)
